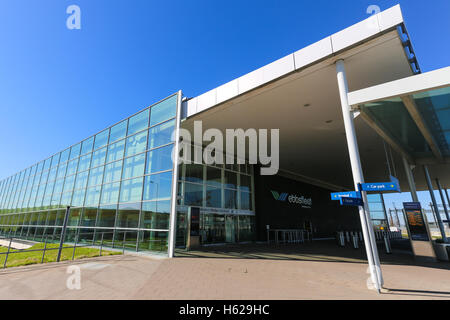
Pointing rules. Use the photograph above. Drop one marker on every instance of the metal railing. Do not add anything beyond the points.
(62, 246)
(289, 235)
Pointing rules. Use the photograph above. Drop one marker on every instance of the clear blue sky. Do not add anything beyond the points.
(58, 86)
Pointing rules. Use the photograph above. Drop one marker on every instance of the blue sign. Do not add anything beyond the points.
(351, 201)
(348, 194)
(393, 185)
(411, 205)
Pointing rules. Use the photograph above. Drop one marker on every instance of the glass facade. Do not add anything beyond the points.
(225, 196)
(377, 209)
(118, 185)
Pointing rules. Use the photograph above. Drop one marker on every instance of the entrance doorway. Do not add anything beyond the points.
(231, 228)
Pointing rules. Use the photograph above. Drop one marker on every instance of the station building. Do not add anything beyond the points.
(121, 184)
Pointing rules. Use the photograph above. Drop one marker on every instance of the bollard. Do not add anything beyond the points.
(341, 239)
(387, 244)
(355, 241)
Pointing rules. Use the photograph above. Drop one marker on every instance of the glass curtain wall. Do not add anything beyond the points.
(225, 195)
(117, 184)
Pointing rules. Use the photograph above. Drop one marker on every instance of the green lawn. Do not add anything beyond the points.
(27, 258)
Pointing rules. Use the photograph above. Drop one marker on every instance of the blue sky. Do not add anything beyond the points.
(58, 86)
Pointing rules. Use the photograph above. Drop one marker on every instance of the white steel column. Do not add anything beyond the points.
(173, 205)
(410, 178)
(352, 144)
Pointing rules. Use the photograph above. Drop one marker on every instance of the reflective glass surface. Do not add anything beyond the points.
(105, 179)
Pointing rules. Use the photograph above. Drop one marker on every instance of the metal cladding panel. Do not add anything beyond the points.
(356, 33)
(312, 53)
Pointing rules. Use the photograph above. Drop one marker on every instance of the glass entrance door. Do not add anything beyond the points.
(230, 229)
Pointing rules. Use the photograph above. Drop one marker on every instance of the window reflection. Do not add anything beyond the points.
(158, 186)
(163, 110)
(138, 122)
(136, 144)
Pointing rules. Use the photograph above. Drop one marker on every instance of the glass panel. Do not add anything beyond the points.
(164, 110)
(96, 176)
(51, 219)
(106, 216)
(153, 241)
(61, 171)
(128, 216)
(52, 174)
(74, 217)
(58, 186)
(246, 201)
(155, 215)
(64, 156)
(110, 193)
(75, 151)
(230, 199)
(78, 198)
(98, 158)
(72, 167)
(55, 161)
(81, 180)
(434, 105)
(88, 217)
(245, 183)
(69, 183)
(193, 194)
(47, 164)
(161, 134)
(136, 144)
(159, 159)
(194, 173)
(66, 199)
(113, 171)
(134, 166)
(85, 162)
(92, 196)
(118, 131)
(131, 190)
(213, 197)
(158, 186)
(115, 151)
(87, 145)
(230, 179)
(213, 176)
(138, 122)
(101, 139)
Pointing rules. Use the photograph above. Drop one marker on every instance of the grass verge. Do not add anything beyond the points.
(20, 258)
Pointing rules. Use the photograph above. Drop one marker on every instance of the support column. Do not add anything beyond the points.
(410, 178)
(448, 199)
(433, 199)
(443, 201)
(352, 144)
(173, 205)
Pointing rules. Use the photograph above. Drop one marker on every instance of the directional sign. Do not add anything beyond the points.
(351, 201)
(348, 194)
(392, 185)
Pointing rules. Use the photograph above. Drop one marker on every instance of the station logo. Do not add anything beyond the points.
(292, 198)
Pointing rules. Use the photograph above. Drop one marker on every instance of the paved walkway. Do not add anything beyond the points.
(273, 273)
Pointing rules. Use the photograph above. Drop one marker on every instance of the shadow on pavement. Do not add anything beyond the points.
(320, 251)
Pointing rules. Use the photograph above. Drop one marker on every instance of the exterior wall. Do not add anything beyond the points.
(327, 216)
(225, 196)
(117, 183)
